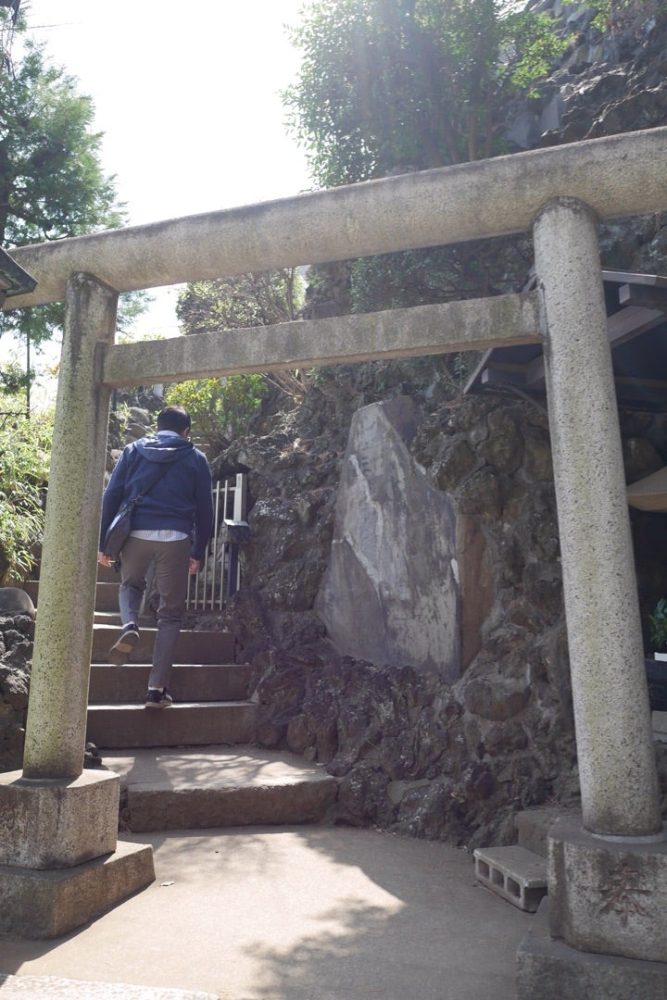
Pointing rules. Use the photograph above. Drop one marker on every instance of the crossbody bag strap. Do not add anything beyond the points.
(164, 468)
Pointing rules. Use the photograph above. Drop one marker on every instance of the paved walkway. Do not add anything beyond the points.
(305, 913)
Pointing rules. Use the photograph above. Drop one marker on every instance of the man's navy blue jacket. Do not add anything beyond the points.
(181, 500)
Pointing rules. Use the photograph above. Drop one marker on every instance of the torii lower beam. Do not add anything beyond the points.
(469, 325)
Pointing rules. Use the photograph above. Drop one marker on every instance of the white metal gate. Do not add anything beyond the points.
(220, 574)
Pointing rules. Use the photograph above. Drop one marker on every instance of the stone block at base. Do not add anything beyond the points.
(57, 823)
(47, 904)
(548, 969)
(608, 896)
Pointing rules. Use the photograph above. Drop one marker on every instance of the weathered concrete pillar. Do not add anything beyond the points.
(614, 741)
(55, 735)
(608, 881)
(60, 862)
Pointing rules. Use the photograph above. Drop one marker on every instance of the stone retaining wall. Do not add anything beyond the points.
(415, 753)
(16, 635)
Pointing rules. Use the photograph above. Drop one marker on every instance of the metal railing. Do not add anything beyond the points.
(220, 575)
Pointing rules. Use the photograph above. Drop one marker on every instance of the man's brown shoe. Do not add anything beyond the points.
(124, 644)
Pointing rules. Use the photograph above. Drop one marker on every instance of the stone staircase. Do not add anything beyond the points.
(191, 766)
(211, 694)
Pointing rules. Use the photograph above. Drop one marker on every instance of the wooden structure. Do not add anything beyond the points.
(637, 329)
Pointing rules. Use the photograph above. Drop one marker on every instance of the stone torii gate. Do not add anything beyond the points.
(607, 879)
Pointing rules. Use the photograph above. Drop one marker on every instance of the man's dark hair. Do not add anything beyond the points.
(173, 418)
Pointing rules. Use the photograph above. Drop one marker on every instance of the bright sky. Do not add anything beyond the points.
(188, 96)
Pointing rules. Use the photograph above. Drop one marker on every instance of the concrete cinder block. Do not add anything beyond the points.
(47, 904)
(57, 823)
(608, 896)
(548, 969)
(514, 873)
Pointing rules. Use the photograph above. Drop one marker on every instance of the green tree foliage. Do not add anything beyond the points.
(221, 408)
(390, 85)
(51, 180)
(25, 448)
(246, 300)
(12, 379)
(613, 14)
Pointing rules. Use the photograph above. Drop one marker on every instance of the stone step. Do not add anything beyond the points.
(108, 618)
(112, 618)
(533, 825)
(184, 724)
(55, 988)
(106, 595)
(191, 646)
(659, 720)
(518, 875)
(107, 574)
(216, 787)
(112, 685)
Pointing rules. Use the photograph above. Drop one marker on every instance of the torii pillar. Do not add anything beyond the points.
(607, 900)
(61, 863)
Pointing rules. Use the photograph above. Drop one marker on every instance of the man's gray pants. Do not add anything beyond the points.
(171, 579)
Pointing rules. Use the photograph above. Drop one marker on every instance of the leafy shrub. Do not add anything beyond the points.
(658, 622)
(25, 447)
(623, 14)
(220, 408)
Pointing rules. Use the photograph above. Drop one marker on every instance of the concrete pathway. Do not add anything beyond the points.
(304, 913)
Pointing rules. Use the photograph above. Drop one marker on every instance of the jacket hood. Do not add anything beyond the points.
(163, 449)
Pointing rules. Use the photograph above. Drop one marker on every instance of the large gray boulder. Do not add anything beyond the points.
(14, 601)
(390, 594)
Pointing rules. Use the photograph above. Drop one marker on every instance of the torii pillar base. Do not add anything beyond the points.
(38, 903)
(61, 864)
(552, 970)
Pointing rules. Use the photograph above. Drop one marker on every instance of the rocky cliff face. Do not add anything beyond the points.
(605, 83)
(448, 756)
(451, 754)
(16, 635)
(418, 751)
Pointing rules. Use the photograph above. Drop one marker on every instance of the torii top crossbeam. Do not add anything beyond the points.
(618, 176)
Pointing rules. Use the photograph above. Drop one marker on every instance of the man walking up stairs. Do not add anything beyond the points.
(170, 526)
